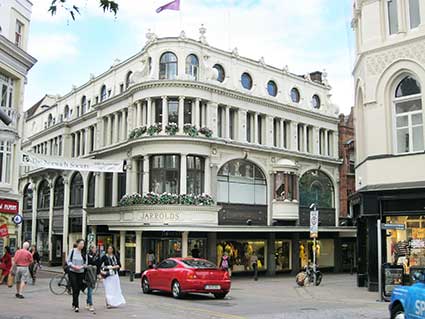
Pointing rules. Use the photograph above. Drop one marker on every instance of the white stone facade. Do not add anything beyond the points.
(274, 133)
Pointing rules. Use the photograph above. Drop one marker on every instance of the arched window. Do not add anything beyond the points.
(192, 66)
(76, 194)
(272, 88)
(27, 197)
(66, 113)
(103, 93)
(316, 187)
(315, 101)
(83, 105)
(91, 190)
(241, 182)
(246, 81)
(50, 120)
(408, 116)
(128, 79)
(59, 192)
(168, 66)
(43, 199)
(221, 74)
(295, 95)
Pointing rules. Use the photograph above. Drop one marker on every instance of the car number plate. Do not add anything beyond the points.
(213, 287)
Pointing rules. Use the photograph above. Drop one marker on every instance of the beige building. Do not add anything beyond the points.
(389, 78)
(15, 63)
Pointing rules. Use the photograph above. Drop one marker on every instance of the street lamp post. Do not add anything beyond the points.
(314, 232)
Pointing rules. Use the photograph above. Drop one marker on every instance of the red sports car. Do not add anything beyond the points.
(186, 275)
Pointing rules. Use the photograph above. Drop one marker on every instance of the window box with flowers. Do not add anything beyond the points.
(171, 129)
(138, 132)
(190, 130)
(154, 129)
(166, 199)
(206, 132)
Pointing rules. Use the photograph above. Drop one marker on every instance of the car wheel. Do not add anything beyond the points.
(176, 290)
(220, 295)
(145, 286)
(398, 312)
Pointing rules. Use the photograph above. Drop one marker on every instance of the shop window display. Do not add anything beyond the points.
(325, 252)
(283, 252)
(240, 253)
(406, 247)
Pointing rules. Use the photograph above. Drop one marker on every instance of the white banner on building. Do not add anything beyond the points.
(61, 163)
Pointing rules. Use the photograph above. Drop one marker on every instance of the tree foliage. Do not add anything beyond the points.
(73, 9)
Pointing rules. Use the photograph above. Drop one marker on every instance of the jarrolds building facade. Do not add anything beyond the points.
(15, 63)
(389, 115)
(222, 153)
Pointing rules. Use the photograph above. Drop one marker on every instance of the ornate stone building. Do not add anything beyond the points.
(222, 153)
(389, 78)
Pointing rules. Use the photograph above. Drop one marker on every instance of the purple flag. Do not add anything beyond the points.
(173, 5)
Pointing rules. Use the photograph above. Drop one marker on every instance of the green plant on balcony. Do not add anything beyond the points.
(131, 199)
(204, 200)
(168, 199)
(187, 199)
(190, 130)
(154, 129)
(150, 199)
(137, 132)
(206, 131)
(171, 129)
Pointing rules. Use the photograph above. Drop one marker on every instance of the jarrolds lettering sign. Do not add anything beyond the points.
(61, 163)
(159, 217)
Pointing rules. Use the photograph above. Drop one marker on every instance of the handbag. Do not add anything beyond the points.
(10, 279)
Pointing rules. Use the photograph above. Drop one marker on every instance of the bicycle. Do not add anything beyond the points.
(306, 277)
(60, 284)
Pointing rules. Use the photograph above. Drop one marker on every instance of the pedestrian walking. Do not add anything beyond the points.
(5, 264)
(35, 265)
(77, 262)
(195, 252)
(225, 263)
(21, 263)
(150, 259)
(254, 265)
(110, 266)
(92, 271)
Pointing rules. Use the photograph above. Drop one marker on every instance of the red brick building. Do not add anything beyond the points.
(346, 146)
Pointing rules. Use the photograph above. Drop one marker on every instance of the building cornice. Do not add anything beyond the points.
(17, 54)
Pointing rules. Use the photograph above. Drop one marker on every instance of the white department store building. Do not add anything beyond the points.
(271, 153)
(15, 63)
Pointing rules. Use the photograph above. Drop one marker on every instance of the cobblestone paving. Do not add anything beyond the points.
(271, 298)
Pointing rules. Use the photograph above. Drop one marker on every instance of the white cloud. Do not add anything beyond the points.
(53, 48)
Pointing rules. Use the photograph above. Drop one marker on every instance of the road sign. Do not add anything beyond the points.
(17, 219)
(394, 226)
(314, 223)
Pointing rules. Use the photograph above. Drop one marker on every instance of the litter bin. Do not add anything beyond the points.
(361, 280)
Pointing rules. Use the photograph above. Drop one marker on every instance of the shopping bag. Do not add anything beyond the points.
(10, 280)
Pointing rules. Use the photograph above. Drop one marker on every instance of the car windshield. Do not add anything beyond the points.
(198, 264)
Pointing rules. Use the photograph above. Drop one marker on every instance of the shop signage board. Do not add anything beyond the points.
(314, 223)
(4, 231)
(61, 163)
(8, 206)
(394, 226)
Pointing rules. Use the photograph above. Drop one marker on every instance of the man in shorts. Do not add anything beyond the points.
(21, 262)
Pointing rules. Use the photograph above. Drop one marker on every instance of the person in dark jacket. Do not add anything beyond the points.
(35, 264)
(93, 259)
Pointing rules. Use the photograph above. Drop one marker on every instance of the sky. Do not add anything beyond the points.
(306, 35)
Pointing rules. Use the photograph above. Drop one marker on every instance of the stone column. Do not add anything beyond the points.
(87, 137)
(83, 142)
(101, 187)
(51, 206)
(326, 146)
(139, 114)
(122, 249)
(114, 189)
(129, 176)
(335, 145)
(164, 113)
(207, 177)
(123, 135)
(305, 138)
(116, 129)
(183, 174)
(316, 140)
(138, 252)
(242, 126)
(271, 261)
(255, 138)
(196, 113)
(149, 112)
(145, 174)
(212, 247)
(212, 117)
(214, 170)
(108, 131)
(226, 123)
(100, 132)
(97, 190)
(185, 244)
(65, 248)
(84, 213)
(269, 131)
(34, 213)
(181, 114)
(282, 133)
(294, 136)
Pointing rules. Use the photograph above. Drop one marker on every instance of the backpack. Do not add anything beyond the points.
(66, 267)
(225, 262)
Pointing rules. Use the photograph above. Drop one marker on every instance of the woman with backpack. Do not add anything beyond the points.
(225, 263)
(77, 262)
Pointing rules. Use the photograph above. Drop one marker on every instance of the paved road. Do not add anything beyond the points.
(271, 298)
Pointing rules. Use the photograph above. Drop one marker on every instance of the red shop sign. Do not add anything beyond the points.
(8, 206)
(4, 232)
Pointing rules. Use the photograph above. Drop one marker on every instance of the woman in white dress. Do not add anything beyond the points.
(110, 266)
